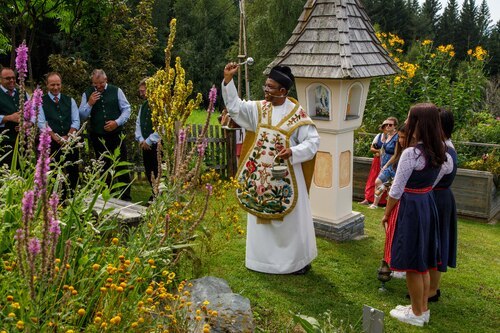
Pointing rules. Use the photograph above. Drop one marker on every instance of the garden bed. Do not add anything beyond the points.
(475, 191)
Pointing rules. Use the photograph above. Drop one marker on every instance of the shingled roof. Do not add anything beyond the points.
(334, 39)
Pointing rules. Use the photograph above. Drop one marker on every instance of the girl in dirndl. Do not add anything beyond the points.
(412, 210)
(447, 209)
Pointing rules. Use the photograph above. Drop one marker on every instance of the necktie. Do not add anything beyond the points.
(56, 100)
(11, 92)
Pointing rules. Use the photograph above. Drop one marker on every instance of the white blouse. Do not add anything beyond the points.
(413, 159)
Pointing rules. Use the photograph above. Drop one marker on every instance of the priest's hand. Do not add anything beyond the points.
(285, 153)
(229, 70)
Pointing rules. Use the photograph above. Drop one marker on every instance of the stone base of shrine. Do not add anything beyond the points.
(350, 227)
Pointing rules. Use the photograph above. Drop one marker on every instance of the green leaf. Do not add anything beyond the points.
(106, 195)
(309, 324)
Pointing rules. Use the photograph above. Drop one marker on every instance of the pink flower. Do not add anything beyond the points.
(260, 190)
(22, 60)
(28, 205)
(212, 96)
(182, 136)
(19, 234)
(54, 227)
(53, 202)
(209, 188)
(34, 246)
(37, 101)
(201, 147)
(43, 163)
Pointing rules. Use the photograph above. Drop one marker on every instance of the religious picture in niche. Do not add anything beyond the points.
(322, 102)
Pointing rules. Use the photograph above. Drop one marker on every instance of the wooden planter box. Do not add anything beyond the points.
(475, 191)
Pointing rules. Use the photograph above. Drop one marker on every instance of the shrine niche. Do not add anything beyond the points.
(319, 102)
(354, 98)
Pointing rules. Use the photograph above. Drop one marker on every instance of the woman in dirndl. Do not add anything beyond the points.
(411, 211)
(447, 209)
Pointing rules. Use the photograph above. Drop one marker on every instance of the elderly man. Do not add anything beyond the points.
(9, 113)
(109, 110)
(280, 230)
(60, 115)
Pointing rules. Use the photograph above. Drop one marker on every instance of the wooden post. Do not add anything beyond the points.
(232, 162)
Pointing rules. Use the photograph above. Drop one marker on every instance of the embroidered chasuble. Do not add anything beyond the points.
(280, 236)
(261, 194)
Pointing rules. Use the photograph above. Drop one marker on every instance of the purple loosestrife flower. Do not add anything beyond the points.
(28, 205)
(201, 147)
(43, 163)
(209, 188)
(182, 136)
(212, 96)
(28, 110)
(54, 202)
(22, 60)
(34, 246)
(19, 234)
(37, 102)
(54, 227)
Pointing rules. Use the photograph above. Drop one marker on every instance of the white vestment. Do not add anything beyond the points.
(279, 247)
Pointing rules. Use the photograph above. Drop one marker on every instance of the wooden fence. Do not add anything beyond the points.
(220, 153)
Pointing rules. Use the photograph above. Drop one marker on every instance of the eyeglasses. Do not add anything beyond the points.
(9, 78)
(389, 125)
(267, 88)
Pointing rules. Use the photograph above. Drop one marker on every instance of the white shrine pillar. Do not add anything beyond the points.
(336, 107)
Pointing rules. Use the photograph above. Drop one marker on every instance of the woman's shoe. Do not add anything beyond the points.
(372, 206)
(364, 202)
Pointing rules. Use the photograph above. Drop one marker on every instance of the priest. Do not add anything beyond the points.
(280, 230)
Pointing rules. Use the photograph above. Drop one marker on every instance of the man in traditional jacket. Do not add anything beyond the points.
(60, 115)
(280, 230)
(109, 110)
(9, 113)
(146, 136)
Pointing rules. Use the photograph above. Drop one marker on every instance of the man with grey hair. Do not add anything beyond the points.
(109, 110)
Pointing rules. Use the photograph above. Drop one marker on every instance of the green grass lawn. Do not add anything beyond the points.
(344, 278)
(200, 116)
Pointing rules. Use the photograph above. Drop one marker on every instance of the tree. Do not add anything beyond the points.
(468, 29)
(494, 51)
(430, 16)
(270, 24)
(21, 20)
(115, 35)
(483, 22)
(446, 31)
(205, 31)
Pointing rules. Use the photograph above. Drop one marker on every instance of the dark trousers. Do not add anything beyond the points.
(111, 142)
(150, 159)
(71, 171)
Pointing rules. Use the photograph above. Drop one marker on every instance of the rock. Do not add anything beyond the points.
(234, 313)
